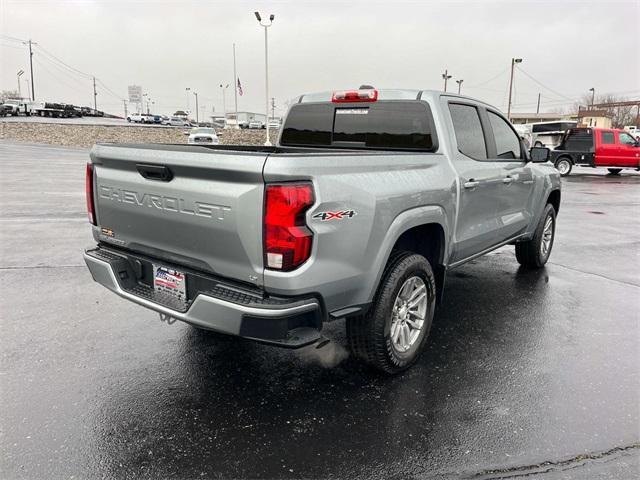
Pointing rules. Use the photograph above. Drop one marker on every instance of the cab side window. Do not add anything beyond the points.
(608, 138)
(507, 142)
(627, 139)
(468, 130)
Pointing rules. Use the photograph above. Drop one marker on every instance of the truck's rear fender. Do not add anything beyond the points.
(432, 227)
(546, 184)
(364, 203)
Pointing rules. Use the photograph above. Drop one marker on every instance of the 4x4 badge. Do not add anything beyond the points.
(325, 216)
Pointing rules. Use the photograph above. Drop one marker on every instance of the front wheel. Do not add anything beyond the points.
(564, 166)
(393, 333)
(534, 253)
(614, 171)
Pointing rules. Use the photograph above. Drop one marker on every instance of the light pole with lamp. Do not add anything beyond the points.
(187, 90)
(20, 73)
(224, 103)
(446, 77)
(593, 95)
(266, 70)
(459, 82)
(513, 65)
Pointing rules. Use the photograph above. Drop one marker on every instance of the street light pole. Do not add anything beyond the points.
(459, 82)
(446, 77)
(197, 118)
(266, 71)
(20, 73)
(593, 95)
(513, 65)
(187, 90)
(30, 43)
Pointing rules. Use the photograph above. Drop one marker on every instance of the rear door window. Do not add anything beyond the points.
(396, 125)
(608, 138)
(468, 130)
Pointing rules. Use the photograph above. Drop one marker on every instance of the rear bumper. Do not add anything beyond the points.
(222, 307)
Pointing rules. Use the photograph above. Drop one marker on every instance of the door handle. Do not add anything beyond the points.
(471, 184)
(507, 180)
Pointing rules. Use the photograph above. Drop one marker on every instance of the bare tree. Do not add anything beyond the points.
(4, 94)
(620, 116)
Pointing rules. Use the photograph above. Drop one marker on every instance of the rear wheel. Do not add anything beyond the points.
(393, 333)
(535, 252)
(564, 166)
(614, 171)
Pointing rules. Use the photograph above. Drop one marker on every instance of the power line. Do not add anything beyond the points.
(543, 85)
(46, 52)
(487, 81)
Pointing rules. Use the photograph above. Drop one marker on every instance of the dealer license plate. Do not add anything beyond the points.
(171, 283)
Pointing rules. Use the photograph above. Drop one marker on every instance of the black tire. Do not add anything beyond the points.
(614, 171)
(530, 254)
(564, 166)
(369, 335)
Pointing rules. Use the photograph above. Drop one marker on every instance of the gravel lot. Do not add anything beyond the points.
(526, 373)
(79, 135)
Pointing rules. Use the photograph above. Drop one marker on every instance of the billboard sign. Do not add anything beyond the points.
(135, 93)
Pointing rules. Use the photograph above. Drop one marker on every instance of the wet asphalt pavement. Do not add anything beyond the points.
(531, 374)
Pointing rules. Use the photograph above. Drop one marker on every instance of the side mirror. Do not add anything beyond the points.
(539, 154)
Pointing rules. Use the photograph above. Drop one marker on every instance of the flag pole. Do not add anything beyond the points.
(235, 85)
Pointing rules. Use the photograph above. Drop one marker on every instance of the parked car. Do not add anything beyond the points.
(14, 106)
(275, 124)
(597, 147)
(177, 122)
(135, 118)
(256, 124)
(369, 199)
(202, 135)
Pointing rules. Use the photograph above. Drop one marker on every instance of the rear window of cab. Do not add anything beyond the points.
(384, 125)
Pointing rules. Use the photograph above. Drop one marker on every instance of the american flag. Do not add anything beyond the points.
(239, 87)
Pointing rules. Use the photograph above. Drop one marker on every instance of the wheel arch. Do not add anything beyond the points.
(423, 230)
(554, 199)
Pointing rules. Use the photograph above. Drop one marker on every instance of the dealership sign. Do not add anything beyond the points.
(135, 93)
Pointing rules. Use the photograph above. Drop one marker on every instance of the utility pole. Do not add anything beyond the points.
(273, 108)
(446, 77)
(593, 95)
(538, 107)
(30, 43)
(125, 108)
(197, 118)
(235, 85)
(95, 95)
(459, 82)
(513, 65)
(266, 26)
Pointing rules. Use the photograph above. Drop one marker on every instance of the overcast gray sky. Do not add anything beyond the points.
(166, 46)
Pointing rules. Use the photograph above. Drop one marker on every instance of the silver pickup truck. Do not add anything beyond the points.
(369, 198)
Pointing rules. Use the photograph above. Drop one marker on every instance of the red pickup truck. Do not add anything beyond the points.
(597, 147)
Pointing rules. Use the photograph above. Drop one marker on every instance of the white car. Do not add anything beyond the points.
(177, 122)
(275, 124)
(136, 118)
(256, 124)
(203, 136)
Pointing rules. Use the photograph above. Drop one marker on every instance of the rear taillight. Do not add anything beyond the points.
(368, 95)
(287, 240)
(91, 211)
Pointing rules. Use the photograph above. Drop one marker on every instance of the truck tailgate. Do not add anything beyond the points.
(191, 206)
